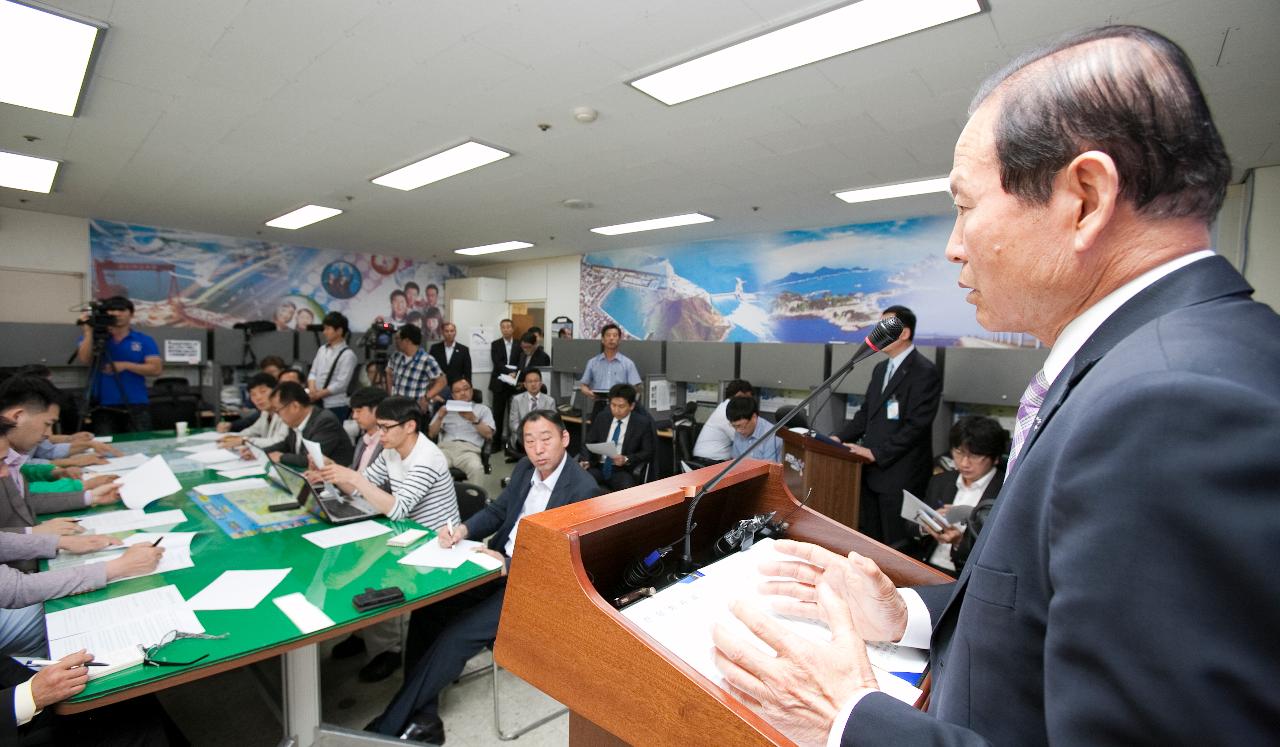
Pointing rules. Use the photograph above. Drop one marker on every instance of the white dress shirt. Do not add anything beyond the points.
(539, 496)
(966, 495)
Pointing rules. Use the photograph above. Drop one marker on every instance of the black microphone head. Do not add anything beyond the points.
(885, 333)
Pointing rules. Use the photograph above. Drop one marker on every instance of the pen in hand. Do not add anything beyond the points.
(158, 541)
(29, 663)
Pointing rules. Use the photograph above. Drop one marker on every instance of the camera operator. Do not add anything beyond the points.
(129, 357)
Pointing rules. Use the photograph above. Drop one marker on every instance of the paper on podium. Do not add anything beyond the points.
(151, 481)
(605, 448)
(458, 405)
(681, 616)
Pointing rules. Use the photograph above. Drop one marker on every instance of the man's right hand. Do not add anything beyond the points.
(83, 460)
(449, 539)
(878, 612)
(230, 442)
(222, 427)
(136, 561)
(79, 545)
(57, 526)
(60, 680)
(105, 495)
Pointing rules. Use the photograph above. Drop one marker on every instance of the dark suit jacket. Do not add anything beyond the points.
(1116, 594)
(325, 429)
(19, 511)
(500, 515)
(902, 447)
(639, 443)
(457, 368)
(499, 361)
(942, 491)
(538, 359)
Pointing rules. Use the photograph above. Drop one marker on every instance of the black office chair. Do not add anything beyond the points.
(471, 498)
(799, 421)
(169, 409)
(170, 386)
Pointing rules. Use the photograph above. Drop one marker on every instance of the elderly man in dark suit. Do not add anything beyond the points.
(309, 422)
(1116, 594)
(454, 357)
(455, 629)
(894, 427)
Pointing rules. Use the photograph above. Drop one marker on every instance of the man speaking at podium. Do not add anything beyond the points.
(1116, 594)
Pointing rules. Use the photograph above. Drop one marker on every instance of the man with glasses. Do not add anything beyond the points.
(743, 414)
(977, 443)
(306, 422)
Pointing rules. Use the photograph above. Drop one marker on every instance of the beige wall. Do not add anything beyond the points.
(1262, 251)
(44, 265)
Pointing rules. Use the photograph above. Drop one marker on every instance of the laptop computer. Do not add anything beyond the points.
(334, 506)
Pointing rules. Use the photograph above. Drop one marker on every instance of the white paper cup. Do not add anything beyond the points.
(181, 428)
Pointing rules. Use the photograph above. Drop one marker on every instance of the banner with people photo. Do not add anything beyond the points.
(184, 278)
(820, 285)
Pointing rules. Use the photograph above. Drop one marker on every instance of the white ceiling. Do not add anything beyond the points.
(217, 115)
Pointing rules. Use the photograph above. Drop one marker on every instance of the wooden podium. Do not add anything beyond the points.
(559, 633)
(832, 472)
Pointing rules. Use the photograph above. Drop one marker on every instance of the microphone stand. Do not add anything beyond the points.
(886, 332)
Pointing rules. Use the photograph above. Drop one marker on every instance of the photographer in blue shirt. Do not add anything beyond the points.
(118, 398)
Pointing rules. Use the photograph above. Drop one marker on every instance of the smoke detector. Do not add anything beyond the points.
(585, 114)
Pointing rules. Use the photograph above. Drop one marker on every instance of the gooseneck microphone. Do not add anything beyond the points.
(885, 333)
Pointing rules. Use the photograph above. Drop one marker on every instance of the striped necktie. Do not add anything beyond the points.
(1028, 412)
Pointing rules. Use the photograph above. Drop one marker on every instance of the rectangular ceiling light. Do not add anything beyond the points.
(44, 57)
(505, 246)
(27, 172)
(303, 216)
(653, 224)
(827, 35)
(469, 155)
(890, 191)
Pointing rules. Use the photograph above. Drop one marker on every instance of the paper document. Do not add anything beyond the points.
(485, 561)
(313, 451)
(508, 379)
(204, 445)
(308, 617)
(177, 551)
(432, 555)
(230, 486)
(214, 456)
(681, 616)
(140, 619)
(237, 590)
(103, 439)
(916, 510)
(115, 661)
(207, 436)
(605, 448)
(115, 464)
(360, 530)
(124, 520)
(459, 405)
(149, 482)
(239, 472)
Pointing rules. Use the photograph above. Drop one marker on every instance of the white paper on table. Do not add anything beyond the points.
(208, 436)
(507, 379)
(177, 552)
(152, 481)
(433, 555)
(605, 448)
(313, 451)
(139, 619)
(115, 661)
(205, 445)
(485, 561)
(257, 468)
(230, 486)
(237, 590)
(459, 405)
(119, 463)
(103, 439)
(341, 535)
(214, 456)
(123, 520)
(308, 617)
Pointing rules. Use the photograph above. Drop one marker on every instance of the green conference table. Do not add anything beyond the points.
(329, 578)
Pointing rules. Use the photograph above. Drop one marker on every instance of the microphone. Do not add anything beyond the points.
(885, 333)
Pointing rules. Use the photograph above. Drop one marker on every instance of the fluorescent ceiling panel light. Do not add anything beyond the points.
(45, 57)
(890, 191)
(469, 155)
(687, 219)
(835, 32)
(505, 246)
(303, 216)
(27, 172)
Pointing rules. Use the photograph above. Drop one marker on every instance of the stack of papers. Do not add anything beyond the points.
(120, 624)
(149, 482)
(124, 520)
(237, 590)
(360, 530)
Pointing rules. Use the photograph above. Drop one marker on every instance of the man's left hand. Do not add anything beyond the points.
(862, 451)
(470, 417)
(802, 689)
(104, 495)
(618, 460)
(493, 554)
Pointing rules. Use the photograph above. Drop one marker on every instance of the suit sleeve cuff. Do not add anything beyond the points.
(88, 498)
(842, 718)
(24, 706)
(919, 626)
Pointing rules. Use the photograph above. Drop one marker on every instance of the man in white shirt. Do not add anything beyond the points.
(1086, 182)
(448, 633)
(463, 430)
(269, 428)
(715, 440)
(335, 363)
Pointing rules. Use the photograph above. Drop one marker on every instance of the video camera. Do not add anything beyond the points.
(378, 340)
(100, 320)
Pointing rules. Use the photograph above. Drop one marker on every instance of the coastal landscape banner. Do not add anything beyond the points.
(820, 285)
(189, 279)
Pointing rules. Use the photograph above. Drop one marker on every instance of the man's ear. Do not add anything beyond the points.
(1091, 186)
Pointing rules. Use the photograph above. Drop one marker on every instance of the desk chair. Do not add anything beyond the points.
(799, 421)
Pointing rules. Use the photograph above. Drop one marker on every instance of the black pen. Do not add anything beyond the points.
(158, 541)
(50, 662)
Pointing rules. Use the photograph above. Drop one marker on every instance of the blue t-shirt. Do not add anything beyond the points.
(133, 348)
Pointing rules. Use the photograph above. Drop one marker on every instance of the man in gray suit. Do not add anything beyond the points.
(309, 422)
(1116, 594)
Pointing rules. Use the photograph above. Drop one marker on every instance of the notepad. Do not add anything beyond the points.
(238, 590)
(360, 530)
(308, 617)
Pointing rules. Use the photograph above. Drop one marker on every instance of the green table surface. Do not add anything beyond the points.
(328, 578)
